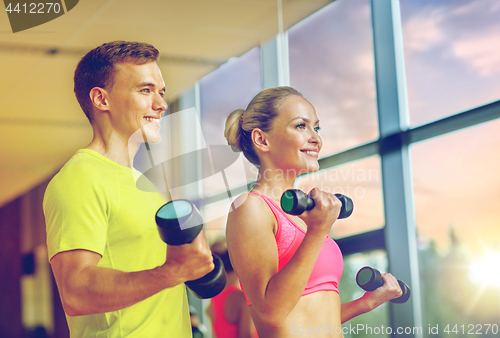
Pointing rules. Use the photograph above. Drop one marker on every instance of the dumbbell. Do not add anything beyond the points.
(295, 202)
(179, 222)
(370, 279)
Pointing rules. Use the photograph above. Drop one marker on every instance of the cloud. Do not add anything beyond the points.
(466, 31)
(365, 62)
(424, 30)
(481, 51)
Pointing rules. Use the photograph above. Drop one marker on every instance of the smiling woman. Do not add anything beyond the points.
(297, 268)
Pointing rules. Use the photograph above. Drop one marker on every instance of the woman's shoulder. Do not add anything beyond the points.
(249, 207)
(248, 202)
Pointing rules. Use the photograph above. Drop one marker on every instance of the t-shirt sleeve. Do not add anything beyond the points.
(76, 212)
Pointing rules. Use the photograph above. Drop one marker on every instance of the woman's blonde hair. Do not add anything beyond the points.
(260, 113)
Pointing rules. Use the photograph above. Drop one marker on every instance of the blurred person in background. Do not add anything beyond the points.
(228, 311)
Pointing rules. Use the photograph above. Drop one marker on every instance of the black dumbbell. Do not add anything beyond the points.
(179, 222)
(295, 202)
(370, 279)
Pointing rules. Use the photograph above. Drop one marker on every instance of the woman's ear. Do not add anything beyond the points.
(260, 140)
(99, 98)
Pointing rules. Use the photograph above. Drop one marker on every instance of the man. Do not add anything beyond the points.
(115, 276)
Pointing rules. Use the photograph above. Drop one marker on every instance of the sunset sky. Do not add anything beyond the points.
(452, 53)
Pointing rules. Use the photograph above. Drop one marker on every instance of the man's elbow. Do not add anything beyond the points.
(72, 305)
(71, 312)
(71, 309)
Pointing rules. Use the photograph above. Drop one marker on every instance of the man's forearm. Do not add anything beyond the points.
(96, 290)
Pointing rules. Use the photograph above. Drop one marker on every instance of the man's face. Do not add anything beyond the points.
(136, 101)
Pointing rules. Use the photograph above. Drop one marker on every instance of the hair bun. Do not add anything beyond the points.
(233, 129)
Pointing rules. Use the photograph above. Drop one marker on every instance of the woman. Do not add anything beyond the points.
(228, 312)
(289, 268)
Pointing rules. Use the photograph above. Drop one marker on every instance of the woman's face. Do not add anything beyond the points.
(294, 142)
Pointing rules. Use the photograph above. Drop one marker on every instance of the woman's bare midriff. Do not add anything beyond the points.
(315, 315)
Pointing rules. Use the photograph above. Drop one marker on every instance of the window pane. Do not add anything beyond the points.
(457, 189)
(369, 324)
(215, 219)
(230, 87)
(361, 181)
(452, 53)
(331, 64)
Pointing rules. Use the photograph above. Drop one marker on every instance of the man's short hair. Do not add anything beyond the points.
(97, 67)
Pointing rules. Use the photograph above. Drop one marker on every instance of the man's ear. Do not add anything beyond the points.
(99, 98)
(260, 140)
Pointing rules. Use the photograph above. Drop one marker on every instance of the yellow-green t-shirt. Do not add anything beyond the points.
(92, 203)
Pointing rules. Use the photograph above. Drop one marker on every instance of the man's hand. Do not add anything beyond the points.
(188, 261)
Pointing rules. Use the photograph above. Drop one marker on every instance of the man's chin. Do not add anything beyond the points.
(153, 139)
(140, 137)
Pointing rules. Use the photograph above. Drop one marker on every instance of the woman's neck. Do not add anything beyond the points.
(274, 182)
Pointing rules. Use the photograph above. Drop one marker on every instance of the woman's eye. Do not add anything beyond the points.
(317, 129)
(301, 126)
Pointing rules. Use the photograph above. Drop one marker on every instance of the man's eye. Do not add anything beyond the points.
(145, 90)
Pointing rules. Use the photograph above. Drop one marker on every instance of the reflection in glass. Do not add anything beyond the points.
(331, 64)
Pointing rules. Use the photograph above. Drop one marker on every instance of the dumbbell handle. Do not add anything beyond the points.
(370, 279)
(295, 202)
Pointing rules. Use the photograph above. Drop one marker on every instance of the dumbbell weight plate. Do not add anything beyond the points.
(178, 222)
(368, 279)
(212, 283)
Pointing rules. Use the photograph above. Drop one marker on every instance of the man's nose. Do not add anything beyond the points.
(159, 103)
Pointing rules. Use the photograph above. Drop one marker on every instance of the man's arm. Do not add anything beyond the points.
(86, 288)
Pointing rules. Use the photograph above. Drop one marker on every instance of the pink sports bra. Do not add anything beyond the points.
(328, 268)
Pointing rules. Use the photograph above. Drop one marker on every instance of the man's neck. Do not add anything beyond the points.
(116, 150)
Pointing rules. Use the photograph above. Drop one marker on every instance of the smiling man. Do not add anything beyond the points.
(115, 276)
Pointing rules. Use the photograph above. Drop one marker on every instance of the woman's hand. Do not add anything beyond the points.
(386, 292)
(326, 210)
(373, 299)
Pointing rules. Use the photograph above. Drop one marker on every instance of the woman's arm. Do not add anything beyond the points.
(371, 300)
(254, 255)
